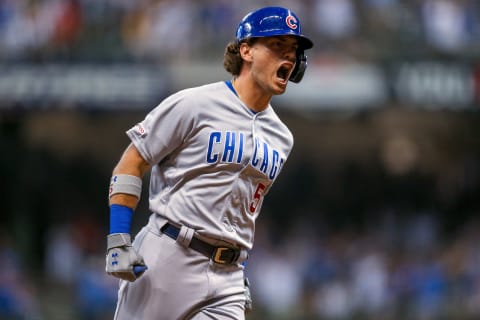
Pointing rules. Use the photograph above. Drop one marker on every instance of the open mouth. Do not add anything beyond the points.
(283, 72)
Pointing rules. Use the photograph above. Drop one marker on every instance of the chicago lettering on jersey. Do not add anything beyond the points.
(229, 146)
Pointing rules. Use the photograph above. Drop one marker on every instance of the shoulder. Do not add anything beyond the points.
(273, 117)
(204, 91)
(187, 99)
(276, 124)
(190, 103)
(196, 100)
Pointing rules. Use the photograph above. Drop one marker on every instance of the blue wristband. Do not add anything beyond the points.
(120, 218)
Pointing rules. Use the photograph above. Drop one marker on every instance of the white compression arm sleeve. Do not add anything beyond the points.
(125, 183)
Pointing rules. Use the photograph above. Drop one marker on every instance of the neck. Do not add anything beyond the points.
(253, 96)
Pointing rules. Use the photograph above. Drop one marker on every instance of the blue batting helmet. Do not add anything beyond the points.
(272, 21)
(276, 21)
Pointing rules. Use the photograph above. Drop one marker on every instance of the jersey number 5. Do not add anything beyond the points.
(257, 196)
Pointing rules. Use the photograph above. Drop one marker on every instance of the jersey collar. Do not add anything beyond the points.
(230, 86)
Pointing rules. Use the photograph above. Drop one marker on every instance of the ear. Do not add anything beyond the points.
(246, 52)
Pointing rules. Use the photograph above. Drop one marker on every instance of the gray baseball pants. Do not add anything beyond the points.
(180, 283)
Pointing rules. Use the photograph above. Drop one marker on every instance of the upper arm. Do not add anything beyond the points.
(132, 162)
(165, 128)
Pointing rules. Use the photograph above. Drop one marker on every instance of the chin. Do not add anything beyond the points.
(279, 89)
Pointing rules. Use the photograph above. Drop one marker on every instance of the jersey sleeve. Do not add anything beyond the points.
(164, 129)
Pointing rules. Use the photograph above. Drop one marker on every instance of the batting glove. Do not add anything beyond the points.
(122, 260)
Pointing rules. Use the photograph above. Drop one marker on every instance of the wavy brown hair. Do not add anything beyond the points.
(232, 60)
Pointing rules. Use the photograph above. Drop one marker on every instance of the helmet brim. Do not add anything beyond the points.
(304, 43)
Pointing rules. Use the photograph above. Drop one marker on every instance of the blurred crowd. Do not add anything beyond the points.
(159, 30)
(70, 284)
(395, 270)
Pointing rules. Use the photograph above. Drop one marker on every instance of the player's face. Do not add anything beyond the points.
(273, 62)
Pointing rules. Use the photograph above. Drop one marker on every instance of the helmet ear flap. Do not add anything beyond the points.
(300, 67)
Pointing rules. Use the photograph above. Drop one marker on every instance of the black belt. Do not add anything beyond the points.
(221, 255)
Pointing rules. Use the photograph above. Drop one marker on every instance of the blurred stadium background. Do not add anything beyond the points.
(376, 214)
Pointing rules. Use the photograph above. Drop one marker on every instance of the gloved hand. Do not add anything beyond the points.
(122, 260)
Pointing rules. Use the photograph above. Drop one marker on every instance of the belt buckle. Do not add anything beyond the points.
(217, 255)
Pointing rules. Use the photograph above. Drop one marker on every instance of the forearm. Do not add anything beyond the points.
(131, 163)
(124, 193)
(124, 200)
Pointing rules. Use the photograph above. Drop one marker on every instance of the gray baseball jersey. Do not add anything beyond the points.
(213, 160)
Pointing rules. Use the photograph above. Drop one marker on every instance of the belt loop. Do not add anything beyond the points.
(185, 236)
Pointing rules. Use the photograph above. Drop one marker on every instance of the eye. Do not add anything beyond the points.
(282, 45)
(276, 44)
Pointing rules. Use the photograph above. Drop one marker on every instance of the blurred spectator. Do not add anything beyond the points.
(70, 245)
(277, 287)
(381, 16)
(276, 283)
(429, 284)
(63, 256)
(369, 283)
(96, 292)
(217, 16)
(335, 19)
(333, 300)
(17, 294)
(68, 24)
(28, 25)
(446, 26)
(162, 30)
(421, 233)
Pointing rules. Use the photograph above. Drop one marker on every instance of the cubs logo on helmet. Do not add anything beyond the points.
(291, 22)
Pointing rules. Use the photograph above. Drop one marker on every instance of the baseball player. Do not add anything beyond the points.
(214, 152)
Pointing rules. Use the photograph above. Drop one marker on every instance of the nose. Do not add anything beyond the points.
(290, 54)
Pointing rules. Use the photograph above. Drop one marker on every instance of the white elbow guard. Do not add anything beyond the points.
(125, 183)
